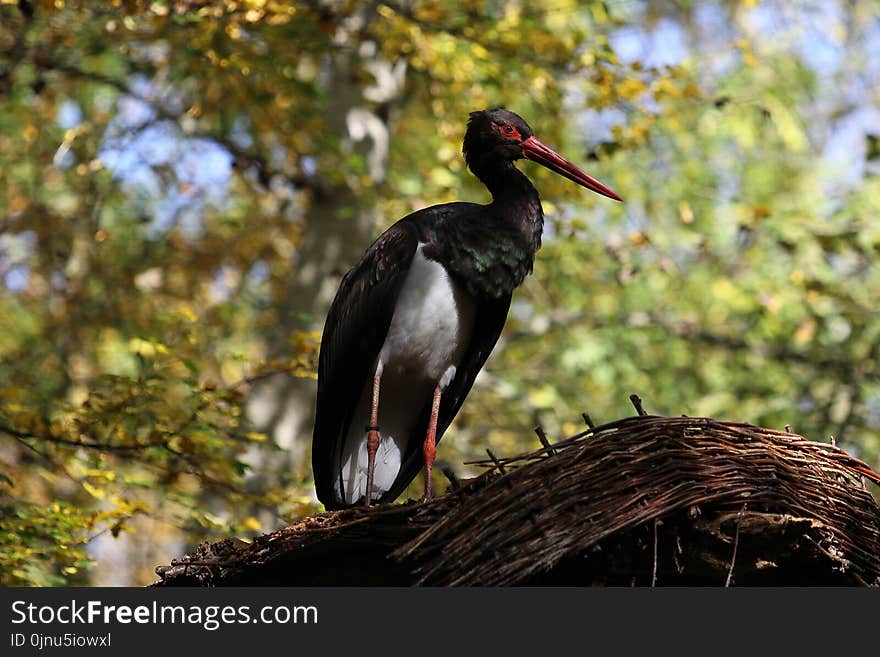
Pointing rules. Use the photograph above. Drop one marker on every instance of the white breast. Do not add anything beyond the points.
(431, 325)
(429, 333)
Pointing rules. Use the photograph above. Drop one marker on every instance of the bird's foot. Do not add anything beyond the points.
(372, 448)
(427, 496)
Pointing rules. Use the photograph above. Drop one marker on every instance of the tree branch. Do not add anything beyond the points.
(243, 159)
(47, 437)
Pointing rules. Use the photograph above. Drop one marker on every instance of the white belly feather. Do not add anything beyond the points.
(428, 335)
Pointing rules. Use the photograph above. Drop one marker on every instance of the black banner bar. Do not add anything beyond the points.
(389, 621)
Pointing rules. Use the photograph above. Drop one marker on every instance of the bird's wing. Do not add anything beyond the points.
(354, 332)
(488, 323)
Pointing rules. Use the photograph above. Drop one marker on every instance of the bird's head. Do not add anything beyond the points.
(495, 133)
(499, 134)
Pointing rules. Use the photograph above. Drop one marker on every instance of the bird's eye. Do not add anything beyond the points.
(509, 131)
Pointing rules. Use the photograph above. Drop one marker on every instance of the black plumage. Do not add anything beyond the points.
(487, 251)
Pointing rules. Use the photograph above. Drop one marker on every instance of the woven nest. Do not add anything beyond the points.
(642, 501)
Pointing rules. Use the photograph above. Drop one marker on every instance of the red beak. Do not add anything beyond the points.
(538, 152)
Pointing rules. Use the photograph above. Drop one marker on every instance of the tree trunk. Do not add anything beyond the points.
(340, 226)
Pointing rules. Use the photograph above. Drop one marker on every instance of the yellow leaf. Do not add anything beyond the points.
(187, 313)
(212, 519)
(787, 124)
(805, 331)
(685, 212)
(639, 239)
(479, 51)
(11, 393)
(251, 524)
(631, 88)
(142, 347)
(665, 88)
(543, 397)
(95, 492)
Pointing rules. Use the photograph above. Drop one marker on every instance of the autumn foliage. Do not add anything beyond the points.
(184, 182)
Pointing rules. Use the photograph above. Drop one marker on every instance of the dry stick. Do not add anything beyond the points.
(788, 429)
(588, 420)
(543, 438)
(637, 402)
(495, 460)
(832, 557)
(735, 544)
(450, 475)
(654, 572)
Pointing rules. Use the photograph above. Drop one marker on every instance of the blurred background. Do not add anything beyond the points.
(182, 185)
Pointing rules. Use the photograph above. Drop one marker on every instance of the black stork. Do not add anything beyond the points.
(415, 320)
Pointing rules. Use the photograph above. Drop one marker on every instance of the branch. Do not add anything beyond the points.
(50, 438)
(242, 158)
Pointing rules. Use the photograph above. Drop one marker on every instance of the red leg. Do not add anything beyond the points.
(372, 439)
(431, 443)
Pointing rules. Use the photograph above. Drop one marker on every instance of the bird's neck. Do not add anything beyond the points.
(491, 252)
(504, 181)
(513, 196)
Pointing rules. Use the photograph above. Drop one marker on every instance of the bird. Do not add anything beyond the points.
(413, 322)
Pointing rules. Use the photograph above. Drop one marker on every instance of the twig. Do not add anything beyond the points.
(495, 460)
(588, 420)
(542, 436)
(637, 402)
(735, 545)
(450, 475)
(654, 572)
(49, 438)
